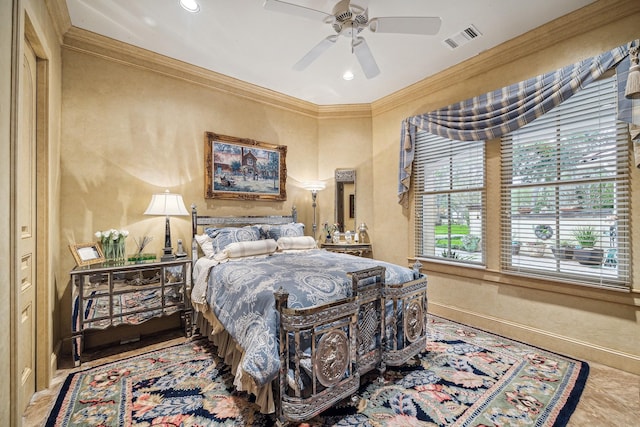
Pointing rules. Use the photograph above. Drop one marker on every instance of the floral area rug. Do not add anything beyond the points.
(466, 377)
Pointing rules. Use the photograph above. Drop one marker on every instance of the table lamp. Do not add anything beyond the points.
(167, 204)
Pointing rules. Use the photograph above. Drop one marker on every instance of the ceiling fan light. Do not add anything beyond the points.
(348, 75)
(190, 6)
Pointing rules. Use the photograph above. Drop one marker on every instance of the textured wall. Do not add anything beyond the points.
(598, 325)
(128, 133)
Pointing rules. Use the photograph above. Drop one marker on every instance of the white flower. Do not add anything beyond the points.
(112, 234)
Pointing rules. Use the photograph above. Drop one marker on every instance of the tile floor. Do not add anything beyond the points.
(611, 397)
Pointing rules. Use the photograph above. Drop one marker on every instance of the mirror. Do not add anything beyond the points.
(346, 199)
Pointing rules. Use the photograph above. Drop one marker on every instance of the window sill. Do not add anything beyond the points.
(631, 298)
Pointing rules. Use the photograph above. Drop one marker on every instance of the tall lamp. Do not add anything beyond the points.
(314, 187)
(167, 204)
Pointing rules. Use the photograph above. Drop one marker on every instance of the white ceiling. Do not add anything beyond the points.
(240, 39)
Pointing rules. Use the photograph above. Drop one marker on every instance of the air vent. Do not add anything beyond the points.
(463, 37)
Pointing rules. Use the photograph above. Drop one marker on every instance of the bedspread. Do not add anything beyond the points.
(240, 294)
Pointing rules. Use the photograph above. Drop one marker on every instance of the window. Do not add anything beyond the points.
(449, 192)
(565, 193)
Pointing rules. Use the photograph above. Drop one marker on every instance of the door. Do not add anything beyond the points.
(26, 229)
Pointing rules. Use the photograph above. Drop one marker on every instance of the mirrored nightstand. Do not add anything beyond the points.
(105, 296)
(359, 249)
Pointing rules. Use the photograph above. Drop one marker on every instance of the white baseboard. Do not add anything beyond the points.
(540, 338)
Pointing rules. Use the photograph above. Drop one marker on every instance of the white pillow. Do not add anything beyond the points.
(247, 249)
(298, 242)
(206, 244)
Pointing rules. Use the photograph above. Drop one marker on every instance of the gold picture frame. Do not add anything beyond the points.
(87, 253)
(243, 169)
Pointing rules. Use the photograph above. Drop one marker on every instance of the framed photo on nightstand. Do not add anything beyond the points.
(87, 253)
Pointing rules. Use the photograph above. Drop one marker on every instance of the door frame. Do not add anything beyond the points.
(44, 290)
(24, 31)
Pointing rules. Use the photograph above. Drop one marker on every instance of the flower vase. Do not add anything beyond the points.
(113, 246)
(119, 257)
(113, 251)
(107, 249)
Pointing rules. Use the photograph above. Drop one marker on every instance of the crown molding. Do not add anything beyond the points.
(597, 14)
(344, 111)
(60, 17)
(80, 40)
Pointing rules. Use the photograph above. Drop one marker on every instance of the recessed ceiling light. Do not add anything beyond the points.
(348, 75)
(190, 5)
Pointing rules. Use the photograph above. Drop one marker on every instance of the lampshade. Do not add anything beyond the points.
(168, 204)
(313, 186)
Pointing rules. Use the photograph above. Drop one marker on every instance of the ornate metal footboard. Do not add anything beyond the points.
(324, 350)
(407, 319)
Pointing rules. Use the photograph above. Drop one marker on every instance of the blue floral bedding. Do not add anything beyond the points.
(240, 293)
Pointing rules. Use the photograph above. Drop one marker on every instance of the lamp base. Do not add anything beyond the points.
(168, 255)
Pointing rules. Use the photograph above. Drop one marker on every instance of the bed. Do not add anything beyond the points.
(299, 325)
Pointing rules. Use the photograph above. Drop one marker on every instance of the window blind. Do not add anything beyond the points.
(563, 176)
(449, 190)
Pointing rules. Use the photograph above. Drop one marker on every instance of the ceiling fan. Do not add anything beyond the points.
(348, 20)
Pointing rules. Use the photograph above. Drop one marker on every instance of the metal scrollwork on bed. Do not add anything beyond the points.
(325, 340)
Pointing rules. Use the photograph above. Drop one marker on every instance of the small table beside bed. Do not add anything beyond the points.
(299, 325)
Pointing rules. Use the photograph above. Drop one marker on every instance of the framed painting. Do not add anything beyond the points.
(87, 253)
(244, 169)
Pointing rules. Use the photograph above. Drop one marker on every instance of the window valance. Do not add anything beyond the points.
(496, 113)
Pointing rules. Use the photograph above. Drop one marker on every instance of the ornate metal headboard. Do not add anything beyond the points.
(233, 221)
(238, 221)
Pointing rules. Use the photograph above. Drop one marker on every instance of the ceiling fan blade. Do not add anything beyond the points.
(406, 25)
(365, 57)
(314, 53)
(294, 9)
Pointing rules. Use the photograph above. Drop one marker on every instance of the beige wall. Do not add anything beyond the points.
(129, 132)
(132, 126)
(345, 143)
(596, 325)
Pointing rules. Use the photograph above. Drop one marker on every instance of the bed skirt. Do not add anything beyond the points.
(232, 355)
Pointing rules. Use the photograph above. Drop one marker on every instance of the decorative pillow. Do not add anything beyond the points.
(246, 249)
(206, 244)
(298, 242)
(223, 237)
(293, 229)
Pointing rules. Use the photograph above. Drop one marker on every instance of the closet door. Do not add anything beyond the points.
(26, 230)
